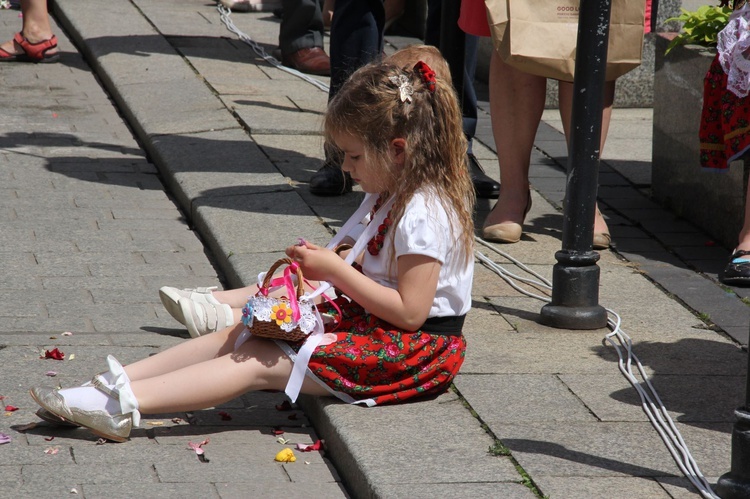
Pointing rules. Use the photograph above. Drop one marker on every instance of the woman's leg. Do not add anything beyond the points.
(516, 106)
(744, 237)
(36, 26)
(258, 364)
(565, 98)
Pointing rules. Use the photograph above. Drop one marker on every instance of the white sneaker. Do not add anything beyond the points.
(170, 296)
(206, 318)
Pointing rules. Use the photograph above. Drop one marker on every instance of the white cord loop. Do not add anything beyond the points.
(650, 401)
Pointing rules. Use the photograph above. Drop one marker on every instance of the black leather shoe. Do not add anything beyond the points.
(484, 186)
(330, 180)
(737, 273)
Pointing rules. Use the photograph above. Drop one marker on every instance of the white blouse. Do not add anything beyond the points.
(424, 229)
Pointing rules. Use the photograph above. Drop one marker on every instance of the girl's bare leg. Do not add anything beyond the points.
(565, 98)
(516, 106)
(257, 365)
(235, 298)
(36, 26)
(190, 352)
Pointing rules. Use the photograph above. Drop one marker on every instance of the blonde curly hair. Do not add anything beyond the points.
(369, 108)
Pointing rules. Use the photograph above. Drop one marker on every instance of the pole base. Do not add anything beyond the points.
(736, 483)
(566, 317)
(731, 487)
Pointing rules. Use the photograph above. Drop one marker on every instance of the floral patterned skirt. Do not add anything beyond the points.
(371, 359)
(725, 121)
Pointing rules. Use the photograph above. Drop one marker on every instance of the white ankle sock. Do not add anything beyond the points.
(89, 398)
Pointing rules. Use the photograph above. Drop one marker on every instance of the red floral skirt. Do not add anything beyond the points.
(725, 121)
(371, 359)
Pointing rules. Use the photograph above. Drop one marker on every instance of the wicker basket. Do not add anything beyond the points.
(280, 308)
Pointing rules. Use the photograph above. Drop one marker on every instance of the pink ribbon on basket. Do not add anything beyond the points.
(287, 282)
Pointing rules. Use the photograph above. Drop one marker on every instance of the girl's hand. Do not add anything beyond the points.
(317, 263)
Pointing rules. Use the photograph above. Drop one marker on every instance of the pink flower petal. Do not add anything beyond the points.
(51, 374)
(4, 439)
(309, 448)
(11, 408)
(198, 447)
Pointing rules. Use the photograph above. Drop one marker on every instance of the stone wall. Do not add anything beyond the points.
(713, 201)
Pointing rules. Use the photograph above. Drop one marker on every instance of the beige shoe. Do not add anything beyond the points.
(101, 423)
(602, 241)
(506, 232)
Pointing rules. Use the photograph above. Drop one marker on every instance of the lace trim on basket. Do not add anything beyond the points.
(263, 311)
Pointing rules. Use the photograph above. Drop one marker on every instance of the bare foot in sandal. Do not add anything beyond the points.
(23, 49)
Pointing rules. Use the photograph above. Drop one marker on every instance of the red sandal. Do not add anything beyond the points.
(32, 52)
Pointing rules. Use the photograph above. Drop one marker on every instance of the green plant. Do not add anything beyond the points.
(700, 27)
(498, 449)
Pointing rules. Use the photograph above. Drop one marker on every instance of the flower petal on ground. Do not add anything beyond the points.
(198, 448)
(285, 456)
(55, 354)
(309, 448)
(11, 408)
(4, 439)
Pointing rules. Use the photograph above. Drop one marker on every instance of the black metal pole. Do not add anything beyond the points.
(453, 43)
(575, 278)
(736, 483)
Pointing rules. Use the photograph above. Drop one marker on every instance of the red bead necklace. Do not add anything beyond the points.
(375, 244)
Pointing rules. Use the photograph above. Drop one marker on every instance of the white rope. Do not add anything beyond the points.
(650, 401)
(225, 16)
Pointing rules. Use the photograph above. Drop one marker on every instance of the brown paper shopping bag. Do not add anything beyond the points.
(540, 36)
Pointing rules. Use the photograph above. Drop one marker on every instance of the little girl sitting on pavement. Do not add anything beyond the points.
(402, 308)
